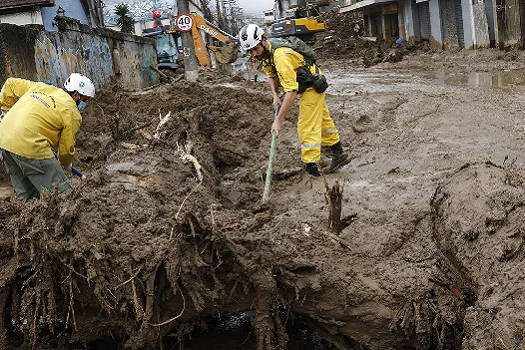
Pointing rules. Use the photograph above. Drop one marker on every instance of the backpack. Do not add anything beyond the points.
(295, 44)
(304, 77)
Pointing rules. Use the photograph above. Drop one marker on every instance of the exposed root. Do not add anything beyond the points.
(179, 315)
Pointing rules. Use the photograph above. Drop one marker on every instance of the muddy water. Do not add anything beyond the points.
(230, 332)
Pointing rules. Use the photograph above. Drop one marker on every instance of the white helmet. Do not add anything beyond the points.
(250, 36)
(80, 83)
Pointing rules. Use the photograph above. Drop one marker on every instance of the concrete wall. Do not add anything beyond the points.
(468, 23)
(480, 25)
(100, 54)
(435, 23)
(489, 12)
(412, 18)
(34, 17)
(74, 9)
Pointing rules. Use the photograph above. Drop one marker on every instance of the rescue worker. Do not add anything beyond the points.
(171, 17)
(157, 21)
(40, 116)
(315, 127)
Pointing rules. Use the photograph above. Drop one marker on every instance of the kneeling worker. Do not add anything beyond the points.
(41, 116)
(315, 126)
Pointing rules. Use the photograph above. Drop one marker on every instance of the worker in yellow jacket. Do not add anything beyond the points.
(40, 116)
(315, 126)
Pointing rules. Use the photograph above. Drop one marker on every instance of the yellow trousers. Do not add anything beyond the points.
(315, 126)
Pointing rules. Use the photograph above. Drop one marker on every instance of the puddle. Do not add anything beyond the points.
(377, 80)
(142, 181)
(481, 79)
(227, 332)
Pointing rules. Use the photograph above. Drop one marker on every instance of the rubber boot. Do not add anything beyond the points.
(311, 168)
(339, 158)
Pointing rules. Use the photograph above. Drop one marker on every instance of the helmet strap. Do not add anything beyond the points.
(266, 52)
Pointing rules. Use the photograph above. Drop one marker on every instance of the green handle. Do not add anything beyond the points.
(268, 180)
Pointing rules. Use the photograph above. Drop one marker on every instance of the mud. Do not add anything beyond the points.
(168, 229)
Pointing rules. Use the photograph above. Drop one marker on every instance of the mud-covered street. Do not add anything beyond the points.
(168, 230)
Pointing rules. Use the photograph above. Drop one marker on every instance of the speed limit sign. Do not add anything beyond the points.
(184, 23)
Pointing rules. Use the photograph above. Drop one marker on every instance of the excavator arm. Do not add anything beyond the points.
(224, 54)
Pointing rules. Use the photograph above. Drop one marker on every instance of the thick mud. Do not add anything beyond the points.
(168, 230)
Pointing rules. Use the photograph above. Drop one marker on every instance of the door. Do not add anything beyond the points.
(512, 21)
(423, 15)
(459, 23)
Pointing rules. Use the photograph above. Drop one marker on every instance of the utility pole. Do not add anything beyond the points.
(191, 68)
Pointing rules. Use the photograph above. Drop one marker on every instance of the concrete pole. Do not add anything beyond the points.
(191, 68)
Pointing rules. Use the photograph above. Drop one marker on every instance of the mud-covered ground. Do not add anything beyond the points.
(169, 229)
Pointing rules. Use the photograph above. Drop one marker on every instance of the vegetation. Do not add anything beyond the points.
(124, 21)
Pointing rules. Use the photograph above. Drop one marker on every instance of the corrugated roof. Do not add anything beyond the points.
(8, 4)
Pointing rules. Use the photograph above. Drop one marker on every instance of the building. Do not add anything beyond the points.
(43, 12)
(446, 24)
(141, 11)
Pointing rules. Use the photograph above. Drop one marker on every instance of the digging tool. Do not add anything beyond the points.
(268, 179)
(78, 173)
(74, 170)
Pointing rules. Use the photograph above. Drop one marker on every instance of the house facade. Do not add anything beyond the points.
(43, 12)
(446, 24)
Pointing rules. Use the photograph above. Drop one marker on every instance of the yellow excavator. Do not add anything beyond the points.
(169, 45)
(303, 20)
(226, 53)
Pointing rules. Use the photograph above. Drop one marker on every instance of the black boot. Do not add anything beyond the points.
(339, 158)
(311, 168)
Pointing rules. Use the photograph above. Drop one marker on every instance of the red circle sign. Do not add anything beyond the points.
(184, 23)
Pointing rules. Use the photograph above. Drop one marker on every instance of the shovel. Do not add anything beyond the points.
(268, 179)
(74, 170)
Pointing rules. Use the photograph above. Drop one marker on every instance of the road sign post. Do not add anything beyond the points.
(191, 68)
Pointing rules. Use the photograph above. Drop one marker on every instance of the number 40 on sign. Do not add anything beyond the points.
(184, 23)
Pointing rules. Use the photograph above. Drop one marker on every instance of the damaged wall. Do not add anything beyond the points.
(103, 55)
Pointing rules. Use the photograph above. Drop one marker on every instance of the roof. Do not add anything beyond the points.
(8, 4)
(360, 4)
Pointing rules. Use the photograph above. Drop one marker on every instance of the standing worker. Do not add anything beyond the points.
(41, 116)
(315, 127)
(157, 21)
(171, 17)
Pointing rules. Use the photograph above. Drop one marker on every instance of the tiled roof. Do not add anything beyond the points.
(7, 4)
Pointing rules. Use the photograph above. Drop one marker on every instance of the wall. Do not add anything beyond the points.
(489, 11)
(34, 17)
(480, 25)
(50, 57)
(468, 22)
(74, 9)
(412, 21)
(436, 29)
(140, 9)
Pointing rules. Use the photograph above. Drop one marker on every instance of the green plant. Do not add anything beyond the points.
(124, 20)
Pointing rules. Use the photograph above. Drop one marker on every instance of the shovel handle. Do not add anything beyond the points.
(78, 173)
(268, 179)
(74, 170)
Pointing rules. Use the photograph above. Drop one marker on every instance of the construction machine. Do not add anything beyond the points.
(303, 20)
(168, 43)
(226, 53)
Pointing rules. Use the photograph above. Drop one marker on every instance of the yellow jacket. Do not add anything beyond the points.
(40, 116)
(284, 63)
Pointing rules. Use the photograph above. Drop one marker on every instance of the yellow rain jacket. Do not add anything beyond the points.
(315, 127)
(40, 116)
